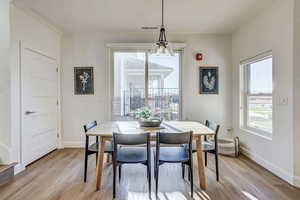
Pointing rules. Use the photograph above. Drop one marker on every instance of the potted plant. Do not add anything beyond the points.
(146, 119)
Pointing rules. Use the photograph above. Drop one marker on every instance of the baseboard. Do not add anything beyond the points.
(19, 168)
(290, 178)
(73, 144)
(296, 181)
(4, 154)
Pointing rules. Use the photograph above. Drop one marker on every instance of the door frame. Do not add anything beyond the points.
(17, 93)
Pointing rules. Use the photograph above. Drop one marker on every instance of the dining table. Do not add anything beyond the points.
(105, 132)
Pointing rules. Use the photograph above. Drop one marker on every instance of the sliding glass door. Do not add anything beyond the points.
(142, 79)
(164, 85)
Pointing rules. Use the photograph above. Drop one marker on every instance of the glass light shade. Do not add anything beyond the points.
(159, 49)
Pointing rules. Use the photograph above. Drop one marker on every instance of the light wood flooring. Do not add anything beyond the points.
(59, 176)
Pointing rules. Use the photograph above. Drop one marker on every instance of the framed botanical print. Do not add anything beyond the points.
(208, 80)
(83, 80)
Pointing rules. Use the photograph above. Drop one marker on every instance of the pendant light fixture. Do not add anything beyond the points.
(162, 46)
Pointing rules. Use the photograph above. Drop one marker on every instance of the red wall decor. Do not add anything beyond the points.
(199, 56)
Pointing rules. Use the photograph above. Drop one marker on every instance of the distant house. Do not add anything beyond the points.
(131, 83)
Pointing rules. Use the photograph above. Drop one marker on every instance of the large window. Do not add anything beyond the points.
(257, 95)
(141, 79)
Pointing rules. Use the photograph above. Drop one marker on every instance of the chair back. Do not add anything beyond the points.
(183, 139)
(121, 139)
(212, 125)
(131, 139)
(89, 126)
(215, 127)
(174, 138)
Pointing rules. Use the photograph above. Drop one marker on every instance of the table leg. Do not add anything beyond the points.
(100, 163)
(201, 168)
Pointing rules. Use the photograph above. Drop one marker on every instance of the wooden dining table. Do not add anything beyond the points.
(105, 132)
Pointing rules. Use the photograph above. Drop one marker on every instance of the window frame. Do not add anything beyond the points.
(139, 47)
(246, 94)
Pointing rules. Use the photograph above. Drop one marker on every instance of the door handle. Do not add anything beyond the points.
(29, 112)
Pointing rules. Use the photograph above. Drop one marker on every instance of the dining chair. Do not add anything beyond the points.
(93, 148)
(131, 149)
(210, 145)
(178, 150)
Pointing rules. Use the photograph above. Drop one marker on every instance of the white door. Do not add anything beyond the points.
(39, 105)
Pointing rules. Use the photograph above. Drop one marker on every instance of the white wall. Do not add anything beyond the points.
(32, 30)
(89, 50)
(297, 92)
(27, 30)
(271, 30)
(216, 50)
(4, 82)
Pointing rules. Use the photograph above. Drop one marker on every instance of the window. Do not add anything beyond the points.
(140, 79)
(257, 95)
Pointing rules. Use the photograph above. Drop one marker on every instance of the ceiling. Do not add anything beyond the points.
(182, 16)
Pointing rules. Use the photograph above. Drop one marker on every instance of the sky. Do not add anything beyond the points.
(261, 79)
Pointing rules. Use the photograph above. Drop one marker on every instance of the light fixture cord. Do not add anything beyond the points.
(162, 18)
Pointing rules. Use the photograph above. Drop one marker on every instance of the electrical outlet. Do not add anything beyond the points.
(283, 101)
(229, 129)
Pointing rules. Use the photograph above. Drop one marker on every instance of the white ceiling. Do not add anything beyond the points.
(184, 16)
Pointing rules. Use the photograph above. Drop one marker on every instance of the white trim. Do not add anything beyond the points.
(19, 168)
(142, 45)
(249, 131)
(73, 144)
(260, 56)
(283, 174)
(296, 181)
(109, 80)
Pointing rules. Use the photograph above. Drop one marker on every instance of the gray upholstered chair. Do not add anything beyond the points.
(181, 152)
(210, 145)
(131, 149)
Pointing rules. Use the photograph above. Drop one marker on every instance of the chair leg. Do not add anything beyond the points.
(107, 158)
(217, 166)
(183, 170)
(96, 159)
(191, 174)
(120, 172)
(85, 165)
(156, 180)
(205, 155)
(114, 179)
(149, 177)
(154, 167)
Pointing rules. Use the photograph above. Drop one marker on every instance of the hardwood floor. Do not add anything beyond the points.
(59, 176)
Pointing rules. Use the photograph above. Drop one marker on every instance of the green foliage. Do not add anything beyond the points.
(145, 113)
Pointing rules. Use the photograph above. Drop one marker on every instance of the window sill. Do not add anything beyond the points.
(259, 134)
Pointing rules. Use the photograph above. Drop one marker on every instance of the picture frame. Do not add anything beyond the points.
(83, 80)
(209, 80)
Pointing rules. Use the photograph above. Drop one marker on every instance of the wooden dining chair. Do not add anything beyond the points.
(131, 149)
(93, 148)
(209, 145)
(179, 151)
